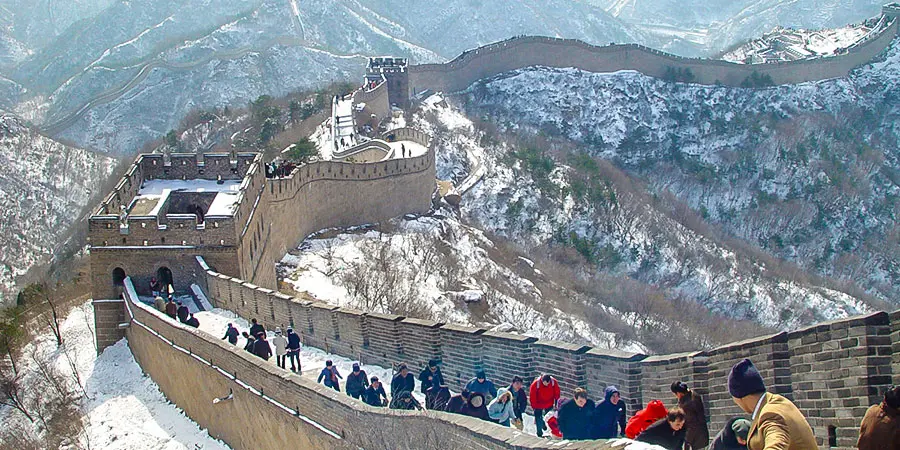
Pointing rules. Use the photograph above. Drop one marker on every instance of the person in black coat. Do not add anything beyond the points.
(575, 416)
(403, 381)
(374, 395)
(261, 347)
(183, 312)
(405, 400)
(476, 407)
(256, 328)
(231, 334)
(431, 376)
(357, 382)
(192, 321)
(733, 436)
(437, 397)
(668, 434)
(520, 397)
(457, 403)
(250, 341)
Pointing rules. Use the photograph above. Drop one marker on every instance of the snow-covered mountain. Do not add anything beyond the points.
(808, 173)
(44, 189)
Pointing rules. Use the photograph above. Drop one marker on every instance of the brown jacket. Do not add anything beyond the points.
(779, 425)
(880, 429)
(694, 420)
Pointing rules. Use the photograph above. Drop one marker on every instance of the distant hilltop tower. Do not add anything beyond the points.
(394, 72)
(891, 10)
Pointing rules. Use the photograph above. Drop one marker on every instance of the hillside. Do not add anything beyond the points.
(44, 189)
(807, 173)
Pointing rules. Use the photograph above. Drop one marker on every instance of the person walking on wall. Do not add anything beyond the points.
(183, 312)
(543, 392)
(775, 422)
(160, 304)
(654, 411)
(437, 397)
(374, 395)
(880, 428)
(261, 347)
(575, 417)
(457, 403)
(430, 376)
(501, 409)
(733, 436)
(250, 341)
(330, 375)
(482, 385)
(696, 432)
(476, 407)
(171, 309)
(405, 401)
(517, 389)
(154, 287)
(357, 382)
(256, 328)
(280, 343)
(192, 321)
(231, 333)
(668, 434)
(293, 349)
(402, 381)
(609, 417)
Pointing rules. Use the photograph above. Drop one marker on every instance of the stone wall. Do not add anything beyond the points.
(279, 409)
(831, 370)
(517, 53)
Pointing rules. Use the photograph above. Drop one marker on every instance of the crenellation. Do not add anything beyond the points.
(421, 341)
(461, 353)
(383, 344)
(563, 360)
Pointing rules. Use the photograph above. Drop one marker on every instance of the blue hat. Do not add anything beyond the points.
(745, 380)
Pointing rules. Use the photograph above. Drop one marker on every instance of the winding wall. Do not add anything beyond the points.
(833, 371)
(494, 59)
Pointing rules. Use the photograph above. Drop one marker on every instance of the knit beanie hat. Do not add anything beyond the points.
(745, 380)
(741, 428)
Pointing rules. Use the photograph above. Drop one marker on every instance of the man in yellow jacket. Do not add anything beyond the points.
(776, 423)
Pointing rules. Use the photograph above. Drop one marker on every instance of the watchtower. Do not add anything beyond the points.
(395, 74)
(891, 10)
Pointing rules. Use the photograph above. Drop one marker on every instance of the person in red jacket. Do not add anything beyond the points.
(654, 411)
(544, 393)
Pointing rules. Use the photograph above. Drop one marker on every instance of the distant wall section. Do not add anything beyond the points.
(494, 59)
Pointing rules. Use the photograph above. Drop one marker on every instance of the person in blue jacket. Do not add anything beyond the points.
(330, 375)
(609, 416)
(482, 385)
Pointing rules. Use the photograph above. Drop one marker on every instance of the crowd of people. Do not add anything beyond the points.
(774, 422)
(176, 310)
(280, 169)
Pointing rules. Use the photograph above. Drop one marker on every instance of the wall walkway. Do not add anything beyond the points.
(516, 53)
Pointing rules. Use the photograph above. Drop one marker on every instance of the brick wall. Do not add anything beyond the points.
(895, 339)
(611, 367)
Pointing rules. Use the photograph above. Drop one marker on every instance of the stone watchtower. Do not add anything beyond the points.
(891, 10)
(394, 71)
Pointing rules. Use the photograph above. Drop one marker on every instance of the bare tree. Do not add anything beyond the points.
(13, 393)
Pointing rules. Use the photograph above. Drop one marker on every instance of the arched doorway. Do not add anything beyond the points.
(164, 278)
(118, 277)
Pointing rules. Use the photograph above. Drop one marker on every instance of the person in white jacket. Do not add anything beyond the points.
(280, 343)
(501, 409)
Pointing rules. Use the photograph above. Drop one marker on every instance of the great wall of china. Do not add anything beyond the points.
(832, 371)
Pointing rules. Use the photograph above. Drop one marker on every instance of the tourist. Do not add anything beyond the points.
(476, 407)
(192, 321)
(280, 343)
(457, 403)
(231, 334)
(330, 376)
(654, 411)
(575, 417)
(357, 382)
(609, 416)
(160, 304)
(171, 309)
(776, 421)
(403, 381)
(482, 385)
(880, 428)
(520, 404)
(500, 409)
(183, 312)
(293, 349)
(405, 400)
(250, 341)
(437, 397)
(374, 395)
(733, 436)
(668, 434)
(154, 287)
(696, 432)
(261, 347)
(543, 394)
(430, 376)
(256, 328)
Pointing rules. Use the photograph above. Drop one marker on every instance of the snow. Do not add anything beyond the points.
(125, 409)
(413, 149)
(158, 190)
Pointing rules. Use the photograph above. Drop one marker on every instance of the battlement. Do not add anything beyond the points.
(891, 10)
